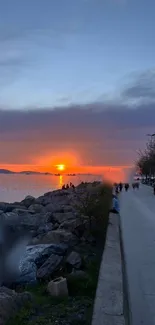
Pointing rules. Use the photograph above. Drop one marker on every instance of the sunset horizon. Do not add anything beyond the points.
(77, 149)
(76, 169)
(74, 91)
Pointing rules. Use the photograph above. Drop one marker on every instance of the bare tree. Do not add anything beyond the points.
(146, 159)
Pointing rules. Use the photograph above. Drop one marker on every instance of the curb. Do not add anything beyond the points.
(126, 309)
(109, 301)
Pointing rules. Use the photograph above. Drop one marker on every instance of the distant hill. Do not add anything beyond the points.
(28, 172)
(6, 171)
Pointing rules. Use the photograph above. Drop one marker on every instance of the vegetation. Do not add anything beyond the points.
(94, 203)
(146, 160)
(77, 308)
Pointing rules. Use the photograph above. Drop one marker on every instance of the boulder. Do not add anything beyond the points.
(37, 252)
(71, 225)
(25, 221)
(53, 207)
(78, 274)
(9, 207)
(29, 200)
(60, 217)
(3, 206)
(34, 258)
(11, 218)
(56, 237)
(28, 271)
(67, 208)
(49, 267)
(45, 228)
(74, 259)
(21, 211)
(11, 302)
(43, 200)
(36, 208)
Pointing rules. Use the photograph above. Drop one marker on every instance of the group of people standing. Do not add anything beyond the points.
(66, 187)
(119, 187)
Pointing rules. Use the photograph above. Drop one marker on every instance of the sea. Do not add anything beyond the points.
(15, 187)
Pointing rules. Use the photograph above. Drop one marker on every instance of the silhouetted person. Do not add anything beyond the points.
(133, 186)
(126, 186)
(137, 185)
(120, 187)
(67, 186)
(115, 205)
(116, 189)
(154, 188)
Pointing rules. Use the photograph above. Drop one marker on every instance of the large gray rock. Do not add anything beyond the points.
(50, 266)
(25, 221)
(72, 225)
(3, 206)
(28, 201)
(56, 237)
(28, 271)
(35, 257)
(11, 302)
(37, 252)
(36, 208)
(43, 200)
(9, 207)
(10, 217)
(45, 228)
(74, 259)
(53, 207)
(61, 217)
(68, 208)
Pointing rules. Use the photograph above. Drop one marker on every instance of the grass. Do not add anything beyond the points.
(77, 308)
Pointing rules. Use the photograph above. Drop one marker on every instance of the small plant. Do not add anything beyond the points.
(93, 202)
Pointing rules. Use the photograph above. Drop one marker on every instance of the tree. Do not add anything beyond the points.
(146, 160)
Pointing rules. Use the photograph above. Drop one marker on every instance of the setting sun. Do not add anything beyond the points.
(61, 167)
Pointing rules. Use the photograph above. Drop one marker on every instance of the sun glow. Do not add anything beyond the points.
(61, 167)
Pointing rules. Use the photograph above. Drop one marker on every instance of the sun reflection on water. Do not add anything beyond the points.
(60, 181)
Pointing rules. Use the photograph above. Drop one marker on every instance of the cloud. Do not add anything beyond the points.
(142, 87)
(101, 133)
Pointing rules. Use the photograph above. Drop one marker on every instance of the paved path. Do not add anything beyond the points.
(138, 232)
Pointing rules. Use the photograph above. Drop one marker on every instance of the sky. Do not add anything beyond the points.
(77, 82)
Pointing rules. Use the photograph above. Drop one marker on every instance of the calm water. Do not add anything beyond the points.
(16, 187)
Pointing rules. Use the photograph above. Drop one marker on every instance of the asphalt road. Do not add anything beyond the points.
(137, 216)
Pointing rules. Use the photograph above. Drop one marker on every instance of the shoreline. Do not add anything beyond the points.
(15, 188)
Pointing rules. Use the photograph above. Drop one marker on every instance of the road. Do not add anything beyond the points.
(137, 216)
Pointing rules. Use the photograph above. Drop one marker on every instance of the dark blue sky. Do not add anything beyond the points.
(55, 52)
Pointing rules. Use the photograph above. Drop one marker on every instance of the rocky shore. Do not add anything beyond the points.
(60, 229)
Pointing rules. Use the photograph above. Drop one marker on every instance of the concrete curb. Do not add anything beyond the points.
(108, 306)
(126, 309)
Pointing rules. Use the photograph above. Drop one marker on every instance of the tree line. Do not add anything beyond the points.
(146, 159)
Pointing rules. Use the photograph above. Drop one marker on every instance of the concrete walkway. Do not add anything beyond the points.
(108, 307)
(138, 234)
